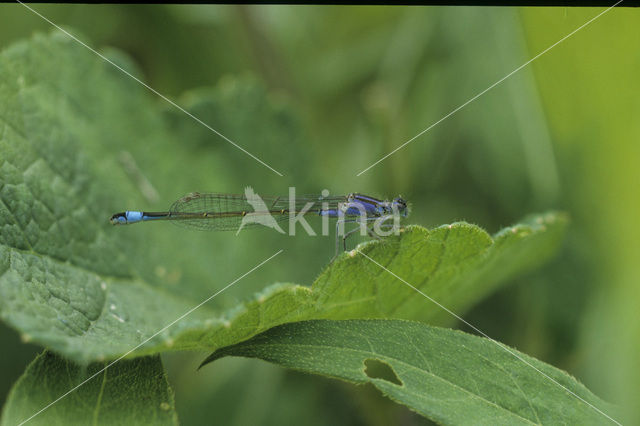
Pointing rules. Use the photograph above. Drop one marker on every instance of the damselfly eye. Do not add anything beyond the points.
(400, 202)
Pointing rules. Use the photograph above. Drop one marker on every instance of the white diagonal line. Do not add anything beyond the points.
(490, 339)
(154, 335)
(152, 90)
(492, 86)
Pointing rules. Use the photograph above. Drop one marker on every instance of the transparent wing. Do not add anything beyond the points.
(228, 212)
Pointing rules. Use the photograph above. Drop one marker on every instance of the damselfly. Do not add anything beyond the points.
(227, 212)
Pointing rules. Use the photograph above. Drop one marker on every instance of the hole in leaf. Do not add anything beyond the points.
(377, 369)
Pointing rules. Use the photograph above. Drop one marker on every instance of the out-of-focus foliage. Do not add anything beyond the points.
(131, 392)
(561, 133)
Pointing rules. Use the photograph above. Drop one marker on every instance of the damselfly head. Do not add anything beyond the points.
(401, 205)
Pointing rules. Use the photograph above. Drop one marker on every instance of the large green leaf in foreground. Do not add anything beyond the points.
(446, 375)
(131, 392)
(68, 281)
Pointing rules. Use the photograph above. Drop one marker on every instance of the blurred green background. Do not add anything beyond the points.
(339, 87)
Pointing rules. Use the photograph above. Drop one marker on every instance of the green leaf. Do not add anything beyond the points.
(446, 375)
(132, 392)
(73, 283)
